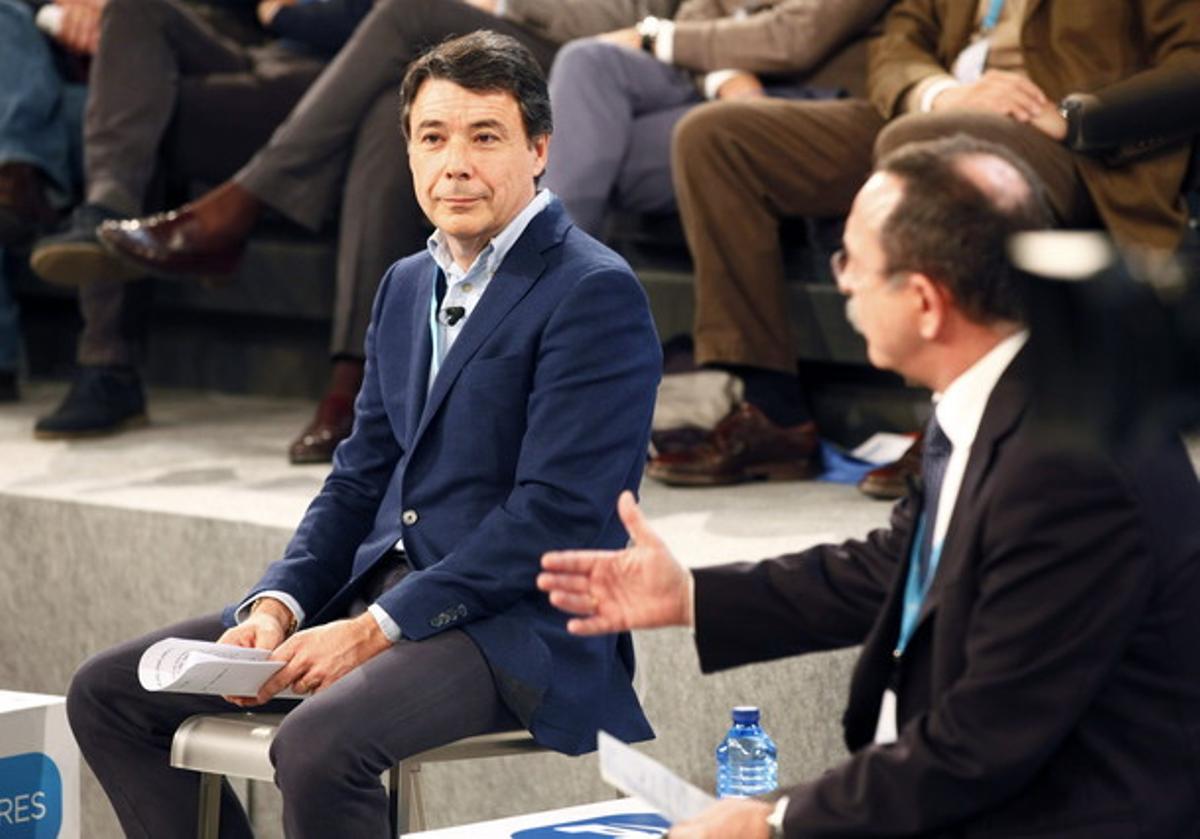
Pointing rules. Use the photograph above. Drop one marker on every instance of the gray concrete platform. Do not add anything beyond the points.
(110, 537)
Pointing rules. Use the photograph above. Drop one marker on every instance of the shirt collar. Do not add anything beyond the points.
(960, 406)
(491, 257)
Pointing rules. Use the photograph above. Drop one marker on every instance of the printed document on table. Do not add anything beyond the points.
(635, 774)
(182, 665)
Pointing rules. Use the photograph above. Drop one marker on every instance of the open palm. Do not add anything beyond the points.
(642, 586)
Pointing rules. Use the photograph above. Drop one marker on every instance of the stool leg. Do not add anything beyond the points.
(210, 806)
(418, 802)
(394, 800)
(407, 798)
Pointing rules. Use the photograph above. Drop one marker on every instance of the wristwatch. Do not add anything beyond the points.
(648, 27)
(775, 820)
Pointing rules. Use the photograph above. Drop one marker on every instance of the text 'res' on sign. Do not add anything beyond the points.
(31, 799)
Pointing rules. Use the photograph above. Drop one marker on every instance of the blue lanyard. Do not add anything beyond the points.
(992, 16)
(914, 589)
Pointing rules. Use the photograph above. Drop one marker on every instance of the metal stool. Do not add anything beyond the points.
(237, 745)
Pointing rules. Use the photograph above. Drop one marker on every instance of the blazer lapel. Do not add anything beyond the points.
(520, 270)
(1004, 408)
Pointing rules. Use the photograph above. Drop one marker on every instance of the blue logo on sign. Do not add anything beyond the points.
(30, 797)
(625, 826)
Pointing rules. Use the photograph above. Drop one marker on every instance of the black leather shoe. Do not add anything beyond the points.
(745, 446)
(8, 386)
(24, 211)
(890, 482)
(75, 255)
(331, 425)
(102, 400)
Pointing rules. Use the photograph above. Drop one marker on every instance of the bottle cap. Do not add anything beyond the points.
(745, 715)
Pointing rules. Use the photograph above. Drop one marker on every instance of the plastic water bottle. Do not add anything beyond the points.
(746, 758)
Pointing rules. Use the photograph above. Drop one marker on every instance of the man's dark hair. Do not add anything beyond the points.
(950, 228)
(485, 62)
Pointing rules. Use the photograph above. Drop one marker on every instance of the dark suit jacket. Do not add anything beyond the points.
(537, 420)
(1052, 686)
(1069, 46)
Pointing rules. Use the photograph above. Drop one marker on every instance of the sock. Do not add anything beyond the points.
(779, 396)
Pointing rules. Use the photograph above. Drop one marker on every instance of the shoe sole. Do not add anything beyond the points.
(75, 264)
(139, 421)
(216, 274)
(882, 494)
(800, 471)
(308, 460)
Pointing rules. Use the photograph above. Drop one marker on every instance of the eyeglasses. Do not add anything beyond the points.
(838, 264)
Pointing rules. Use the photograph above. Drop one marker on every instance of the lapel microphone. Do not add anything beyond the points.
(453, 314)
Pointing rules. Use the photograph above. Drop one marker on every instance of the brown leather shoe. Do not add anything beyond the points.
(745, 446)
(24, 211)
(887, 483)
(202, 239)
(330, 425)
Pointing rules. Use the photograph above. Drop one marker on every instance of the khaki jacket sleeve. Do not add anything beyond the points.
(905, 54)
(792, 36)
(560, 21)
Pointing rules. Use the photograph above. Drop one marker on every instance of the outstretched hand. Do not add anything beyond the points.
(642, 586)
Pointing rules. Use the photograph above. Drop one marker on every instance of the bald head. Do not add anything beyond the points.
(1007, 187)
(961, 199)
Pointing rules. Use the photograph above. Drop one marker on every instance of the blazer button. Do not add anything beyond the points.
(409, 517)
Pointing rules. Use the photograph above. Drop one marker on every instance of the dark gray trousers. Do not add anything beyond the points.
(329, 752)
(342, 144)
(150, 52)
(614, 110)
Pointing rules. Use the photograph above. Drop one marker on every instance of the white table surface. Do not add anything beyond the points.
(504, 828)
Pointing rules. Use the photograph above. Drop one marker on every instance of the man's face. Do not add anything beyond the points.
(473, 166)
(881, 306)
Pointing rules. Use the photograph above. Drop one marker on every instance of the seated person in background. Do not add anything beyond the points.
(336, 149)
(148, 52)
(990, 68)
(618, 96)
(1027, 621)
(40, 114)
(483, 436)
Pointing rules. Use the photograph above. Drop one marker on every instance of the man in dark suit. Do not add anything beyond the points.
(509, 384)
(1028, 619)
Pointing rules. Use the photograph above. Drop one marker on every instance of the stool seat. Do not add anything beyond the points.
(238, 745)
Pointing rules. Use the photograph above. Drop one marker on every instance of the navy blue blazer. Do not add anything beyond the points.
(538, 418)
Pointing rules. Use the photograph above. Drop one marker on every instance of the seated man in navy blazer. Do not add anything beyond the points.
(510, 381)
(1028, 620)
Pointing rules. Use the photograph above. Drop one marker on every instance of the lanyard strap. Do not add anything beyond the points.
(915, 588)
(993, 15)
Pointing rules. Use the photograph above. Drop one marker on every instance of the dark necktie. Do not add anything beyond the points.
(934, 458)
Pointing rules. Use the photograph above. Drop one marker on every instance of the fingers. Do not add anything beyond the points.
(573, 562)
(594, 625)
(577, 604)
(1017, 96)
(634, 521)
(570, 583)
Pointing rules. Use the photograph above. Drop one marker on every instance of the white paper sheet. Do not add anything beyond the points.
(180, 665)
(635, 774)
(883, 448)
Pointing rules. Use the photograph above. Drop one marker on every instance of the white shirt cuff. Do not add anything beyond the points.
(501, 8)
(664, 42)
(714, 80)
(243, 611)
(390, 628)
(932, 92)
(777, 814)
(691, 598)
